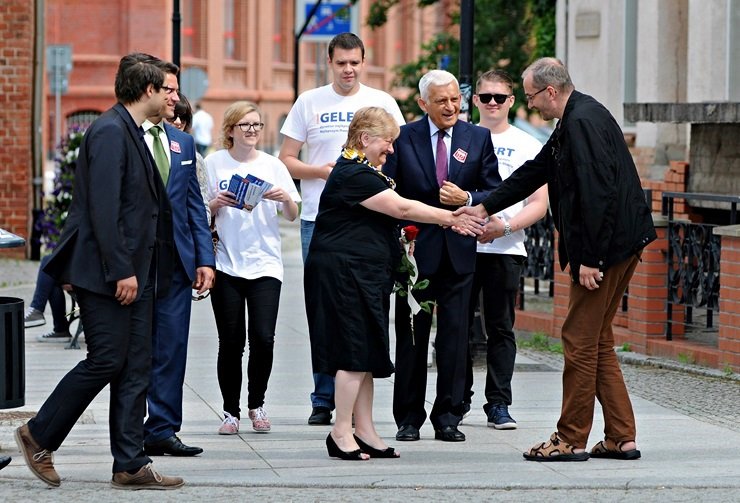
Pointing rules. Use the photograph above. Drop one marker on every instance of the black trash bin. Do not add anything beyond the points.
(12, 353)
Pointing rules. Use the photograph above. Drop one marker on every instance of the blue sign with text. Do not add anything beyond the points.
(330, 19)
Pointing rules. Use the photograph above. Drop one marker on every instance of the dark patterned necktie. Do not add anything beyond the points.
(441, 157)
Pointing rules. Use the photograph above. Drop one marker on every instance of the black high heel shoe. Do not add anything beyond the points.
(388, 452)
(336, 452)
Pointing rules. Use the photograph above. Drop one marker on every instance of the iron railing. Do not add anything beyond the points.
(539, 242)
(693, 259)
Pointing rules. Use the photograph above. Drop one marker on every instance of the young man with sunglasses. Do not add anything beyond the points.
(501, 252)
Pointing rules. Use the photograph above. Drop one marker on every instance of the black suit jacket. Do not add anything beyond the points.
(120, 216)
(596, 196)
(472, 167)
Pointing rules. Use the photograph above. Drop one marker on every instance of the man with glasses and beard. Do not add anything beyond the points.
(604, 223)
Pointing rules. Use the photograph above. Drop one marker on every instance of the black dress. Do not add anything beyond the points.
(349, 274)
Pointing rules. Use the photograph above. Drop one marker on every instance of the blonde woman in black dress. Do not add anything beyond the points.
(349, 277)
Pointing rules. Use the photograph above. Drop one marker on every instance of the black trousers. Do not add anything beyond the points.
(496, 285)
(119, 353)
(262, 296)
(452, 294)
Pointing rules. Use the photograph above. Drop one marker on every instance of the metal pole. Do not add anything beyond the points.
(57, 116)
(467, 8)
(297, 45)
(176, 21)
(37, 128)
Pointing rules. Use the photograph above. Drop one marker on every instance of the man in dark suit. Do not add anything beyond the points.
(114, 250)
(447, 163)
(193, 267)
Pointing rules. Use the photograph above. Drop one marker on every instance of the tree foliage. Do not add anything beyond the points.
(508, 35)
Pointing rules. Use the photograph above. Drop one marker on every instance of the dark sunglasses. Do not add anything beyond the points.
(485, 98)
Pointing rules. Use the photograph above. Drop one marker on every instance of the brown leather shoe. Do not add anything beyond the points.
(39, 461)
(146, 478)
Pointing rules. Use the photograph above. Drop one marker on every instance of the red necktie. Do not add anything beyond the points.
(441, 157)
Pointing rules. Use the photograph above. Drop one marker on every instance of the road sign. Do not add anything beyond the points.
(58, 66)
(331, 18)
(194, 83)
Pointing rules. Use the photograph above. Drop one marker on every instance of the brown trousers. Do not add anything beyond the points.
(591, 366)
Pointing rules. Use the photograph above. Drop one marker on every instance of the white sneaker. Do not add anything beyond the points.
(260, 421)
(229, 426)
(33, 318)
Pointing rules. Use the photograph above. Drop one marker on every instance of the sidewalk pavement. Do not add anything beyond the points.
(683, 458)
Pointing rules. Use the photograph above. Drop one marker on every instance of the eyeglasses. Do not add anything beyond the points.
(255, 126)
(200, 296)
(485, 98)
(530, 97)
(169, 90)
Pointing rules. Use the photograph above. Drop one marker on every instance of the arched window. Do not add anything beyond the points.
(81, 119)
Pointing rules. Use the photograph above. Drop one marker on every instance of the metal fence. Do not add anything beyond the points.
(693, 259)
(539, 242)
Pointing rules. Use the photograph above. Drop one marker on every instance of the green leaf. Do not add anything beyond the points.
(421, 285)
(427, 306)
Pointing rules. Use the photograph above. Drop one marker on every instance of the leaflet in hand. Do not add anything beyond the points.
(248, 191)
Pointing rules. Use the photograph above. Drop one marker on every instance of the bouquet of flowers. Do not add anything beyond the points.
(59, 201)
(408, 266)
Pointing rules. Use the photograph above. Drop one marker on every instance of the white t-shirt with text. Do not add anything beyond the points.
(513, 148)
(249, 241)
(320, 119)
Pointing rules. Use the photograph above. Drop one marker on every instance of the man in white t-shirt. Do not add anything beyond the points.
(320, 119)
(501, 252)
(202, 130)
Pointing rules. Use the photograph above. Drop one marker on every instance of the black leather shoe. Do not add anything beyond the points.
(320, 416)
(172, 446)
(4, 461)
(449, 434)
(407, 433)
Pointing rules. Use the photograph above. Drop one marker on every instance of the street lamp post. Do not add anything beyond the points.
(467, 8)
(176, 20)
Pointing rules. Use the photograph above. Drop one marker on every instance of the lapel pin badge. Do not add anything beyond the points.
(460, 155)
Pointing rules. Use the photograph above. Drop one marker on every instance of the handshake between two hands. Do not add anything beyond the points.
(470, 220)
(474, 221)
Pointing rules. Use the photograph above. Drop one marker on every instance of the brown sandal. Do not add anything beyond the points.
(555, 450)
(609, 449)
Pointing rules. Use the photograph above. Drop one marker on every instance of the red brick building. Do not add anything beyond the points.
(245, 47)
(16, 99)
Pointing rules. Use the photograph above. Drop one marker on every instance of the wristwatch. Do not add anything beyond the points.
(507, 229)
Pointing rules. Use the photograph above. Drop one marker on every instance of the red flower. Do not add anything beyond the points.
(410, 232)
